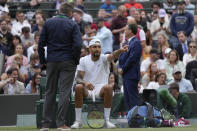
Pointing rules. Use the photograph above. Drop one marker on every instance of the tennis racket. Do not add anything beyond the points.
(95, 117)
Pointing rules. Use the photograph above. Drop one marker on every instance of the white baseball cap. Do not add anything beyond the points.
(162, 13)
(167, 50)
(176, 70)
(94, 42)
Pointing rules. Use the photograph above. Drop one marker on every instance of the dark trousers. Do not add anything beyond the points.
(195, 86)
(130, 93)
(64, 72)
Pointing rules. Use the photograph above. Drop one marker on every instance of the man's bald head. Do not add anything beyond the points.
(131, 20)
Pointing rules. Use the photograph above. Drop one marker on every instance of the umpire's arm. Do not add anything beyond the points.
(77, 43)
(41, 44)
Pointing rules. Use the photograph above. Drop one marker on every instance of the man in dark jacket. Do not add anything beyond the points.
(129, 63)
(184, 105)
(191, 72)
(181, 106)
(182, 20)
(182, 44)
(62, 37)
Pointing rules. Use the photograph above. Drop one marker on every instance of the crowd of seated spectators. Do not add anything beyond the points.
(168, 35)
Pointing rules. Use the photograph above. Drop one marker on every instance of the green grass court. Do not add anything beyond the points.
(192, 128)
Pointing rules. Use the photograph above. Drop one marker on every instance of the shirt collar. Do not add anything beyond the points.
(131, 38)
(185, 42)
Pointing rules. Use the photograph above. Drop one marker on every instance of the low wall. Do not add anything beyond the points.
(11, 105)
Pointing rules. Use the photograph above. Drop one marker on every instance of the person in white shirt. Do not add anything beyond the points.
(160, 26)
(191, 54)
(3, 8)
(169, 6)
(194, 33)
(154, 57)
(159, 81)
(92, 77)
(173, 62)
(189, 7)
(19, 24)
(11, 85)
(105, 36)
(27, 37)
(33, 49)
(184, 84)
(85, 17)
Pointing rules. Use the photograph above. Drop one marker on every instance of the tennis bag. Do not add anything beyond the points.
(144, 116)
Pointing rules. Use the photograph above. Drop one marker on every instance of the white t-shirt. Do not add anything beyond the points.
(17, 27)
(153, 85)
(146, 63)
(30, 51)
(187, 58)
(142, 35)
(96, 72)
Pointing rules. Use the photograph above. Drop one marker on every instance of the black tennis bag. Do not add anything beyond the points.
(144, 115)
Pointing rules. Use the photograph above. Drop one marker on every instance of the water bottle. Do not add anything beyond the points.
(119, 120)
(125, 121)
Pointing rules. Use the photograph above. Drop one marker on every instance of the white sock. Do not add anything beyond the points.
(78, 114)
(107, 113)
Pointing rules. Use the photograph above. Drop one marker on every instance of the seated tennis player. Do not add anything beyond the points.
(92, 76)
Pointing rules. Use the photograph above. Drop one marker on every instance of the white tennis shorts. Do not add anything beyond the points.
(97, 89)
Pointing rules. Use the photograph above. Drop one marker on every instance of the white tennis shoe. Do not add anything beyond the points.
(108, 124)
(76, 125)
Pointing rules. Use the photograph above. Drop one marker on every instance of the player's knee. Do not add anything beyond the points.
(108, 88)
(79, 87)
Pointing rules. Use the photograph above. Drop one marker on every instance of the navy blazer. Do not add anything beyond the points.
(62, 37)
(130, 61)
(179, 50)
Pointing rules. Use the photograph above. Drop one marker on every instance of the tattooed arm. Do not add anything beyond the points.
(79, 80)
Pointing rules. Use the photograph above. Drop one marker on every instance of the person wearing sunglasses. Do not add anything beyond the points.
(190, 55)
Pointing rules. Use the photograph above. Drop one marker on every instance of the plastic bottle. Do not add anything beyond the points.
(119, 120)
(125, 121)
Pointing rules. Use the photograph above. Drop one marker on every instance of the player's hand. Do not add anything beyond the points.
(124, 48)
(89, 86)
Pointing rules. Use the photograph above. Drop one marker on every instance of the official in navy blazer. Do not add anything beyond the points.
(62, 37)
(129, 62)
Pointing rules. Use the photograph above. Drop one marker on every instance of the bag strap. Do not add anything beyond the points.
(135, 112)
(150, 115)
(150, 111)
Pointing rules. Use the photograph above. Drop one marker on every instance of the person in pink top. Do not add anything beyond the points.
(18, 50)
